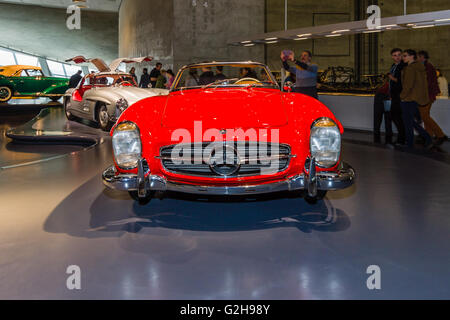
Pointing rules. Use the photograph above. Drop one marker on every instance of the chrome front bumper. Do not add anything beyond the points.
(340, 179)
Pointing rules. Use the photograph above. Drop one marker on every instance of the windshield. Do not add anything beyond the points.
(224, 75)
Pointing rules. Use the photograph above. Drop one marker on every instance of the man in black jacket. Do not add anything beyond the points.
(145, 79)
(395, 88)
(75, 79)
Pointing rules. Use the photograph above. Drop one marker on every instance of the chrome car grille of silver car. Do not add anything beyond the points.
(226, 159)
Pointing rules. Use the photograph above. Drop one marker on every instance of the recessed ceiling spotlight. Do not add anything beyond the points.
(246, 41)
(249, 45)
(300, 39)
(333, 35)
(268, 39)
(269, 42)
(304, 35)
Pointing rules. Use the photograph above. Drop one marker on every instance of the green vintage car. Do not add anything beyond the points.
(29, 81)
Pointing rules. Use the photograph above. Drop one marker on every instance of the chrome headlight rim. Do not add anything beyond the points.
(318, 162)
(136, 129)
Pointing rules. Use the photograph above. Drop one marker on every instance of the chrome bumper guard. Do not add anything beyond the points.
(340, 179)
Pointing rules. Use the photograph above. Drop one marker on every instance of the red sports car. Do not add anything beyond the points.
(227, 129)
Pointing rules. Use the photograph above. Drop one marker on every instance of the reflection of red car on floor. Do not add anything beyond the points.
(227, 133)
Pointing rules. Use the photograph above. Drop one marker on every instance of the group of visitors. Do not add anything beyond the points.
(158, 77)
(406, 99)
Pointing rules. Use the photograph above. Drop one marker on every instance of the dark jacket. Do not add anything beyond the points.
(433, 85)
(74, 80)
(415, 84)
(396, 87)
(145, 81)
(207, 78)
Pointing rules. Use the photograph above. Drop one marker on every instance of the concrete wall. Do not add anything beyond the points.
(179, 32)
(43, 31)
(435, 40)
(306, 13)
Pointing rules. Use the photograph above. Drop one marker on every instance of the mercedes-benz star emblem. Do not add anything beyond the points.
(224, 160)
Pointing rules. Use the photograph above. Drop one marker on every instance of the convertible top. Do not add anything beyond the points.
(9, 71)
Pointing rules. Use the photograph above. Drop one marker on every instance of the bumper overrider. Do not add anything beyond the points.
(311, 181)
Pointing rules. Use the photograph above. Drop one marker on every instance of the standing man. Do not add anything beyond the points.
(305, 73)
(395, 88)
(414, 94)
(155, 73)
(145, 79)
(75, 79)
(431, 126)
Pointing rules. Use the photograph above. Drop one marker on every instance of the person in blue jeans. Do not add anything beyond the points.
(414, 94)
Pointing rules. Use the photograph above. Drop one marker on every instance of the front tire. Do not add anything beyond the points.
(103, 117)
(5, 94)
(69, 115)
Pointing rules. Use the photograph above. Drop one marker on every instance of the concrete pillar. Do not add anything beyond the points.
(185, 31)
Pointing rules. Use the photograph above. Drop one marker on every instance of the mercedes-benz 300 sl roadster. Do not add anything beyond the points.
(227, 129)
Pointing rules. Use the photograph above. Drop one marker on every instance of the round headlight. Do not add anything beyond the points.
(127, 146)
(325, 142)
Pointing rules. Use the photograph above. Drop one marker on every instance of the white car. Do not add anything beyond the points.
(103, 96)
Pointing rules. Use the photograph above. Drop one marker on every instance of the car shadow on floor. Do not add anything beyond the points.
(93, 212)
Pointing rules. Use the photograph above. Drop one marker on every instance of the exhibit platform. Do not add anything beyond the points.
(184, 247)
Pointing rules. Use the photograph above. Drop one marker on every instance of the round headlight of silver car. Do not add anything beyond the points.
(325, 142)
(121, 105)
(127, 145)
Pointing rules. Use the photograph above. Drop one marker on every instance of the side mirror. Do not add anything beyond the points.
(288, 86)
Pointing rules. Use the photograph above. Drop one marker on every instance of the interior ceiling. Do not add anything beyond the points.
(94, 5)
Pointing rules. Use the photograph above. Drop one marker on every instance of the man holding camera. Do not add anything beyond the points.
(305, 72)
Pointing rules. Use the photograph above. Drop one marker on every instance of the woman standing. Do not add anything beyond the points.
(170, 78)
(414, 93)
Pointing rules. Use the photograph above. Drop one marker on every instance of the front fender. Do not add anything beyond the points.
(59, 88)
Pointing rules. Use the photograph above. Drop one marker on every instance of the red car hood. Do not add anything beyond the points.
(225, 108)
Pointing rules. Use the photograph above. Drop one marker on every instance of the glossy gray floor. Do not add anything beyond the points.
(57, 213)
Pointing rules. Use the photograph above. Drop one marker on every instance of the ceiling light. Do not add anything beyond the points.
(267, 39)
(387, 26)
(304, 35)
(333, 35)
(269, 42)
(423, 26)
(340, 31)
(373, 31)
(300, 39)
(249, 45)
(246, 41)
(441, 20)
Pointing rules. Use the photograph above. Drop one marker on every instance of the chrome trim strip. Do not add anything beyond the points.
(343, 178)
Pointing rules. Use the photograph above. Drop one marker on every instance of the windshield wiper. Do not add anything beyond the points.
(217, 82)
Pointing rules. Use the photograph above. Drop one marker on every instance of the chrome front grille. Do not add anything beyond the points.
(226, 159)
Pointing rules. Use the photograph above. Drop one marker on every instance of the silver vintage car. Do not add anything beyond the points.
(103, 96)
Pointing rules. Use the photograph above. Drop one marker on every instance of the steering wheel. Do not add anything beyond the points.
(247, 81)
